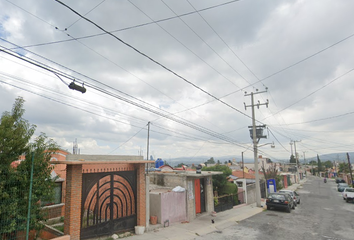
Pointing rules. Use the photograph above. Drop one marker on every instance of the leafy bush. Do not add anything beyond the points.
(219, 181)
(279, 182)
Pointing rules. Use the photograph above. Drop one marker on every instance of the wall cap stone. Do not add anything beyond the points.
(80, 159)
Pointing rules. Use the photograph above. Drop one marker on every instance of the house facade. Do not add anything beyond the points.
(198, 197)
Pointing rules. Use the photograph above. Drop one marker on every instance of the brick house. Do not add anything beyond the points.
(104, 194)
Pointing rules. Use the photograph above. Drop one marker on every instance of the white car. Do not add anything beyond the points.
(293, 194)
(348, 191)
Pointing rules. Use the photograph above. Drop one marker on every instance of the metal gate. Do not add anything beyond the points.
(108, 203)
(263, 188)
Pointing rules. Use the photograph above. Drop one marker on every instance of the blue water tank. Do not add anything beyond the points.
(158, 163)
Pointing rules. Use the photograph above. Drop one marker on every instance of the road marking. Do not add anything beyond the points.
(329, 209)
(332, 238)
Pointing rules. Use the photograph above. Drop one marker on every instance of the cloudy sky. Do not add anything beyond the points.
(183, 66)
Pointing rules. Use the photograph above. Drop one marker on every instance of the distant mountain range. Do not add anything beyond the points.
(201, 159)
(340, 157)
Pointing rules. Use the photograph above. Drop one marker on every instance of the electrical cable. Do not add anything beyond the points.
(151, 59)
(278, 140)
(310, 94)
(51, 70)
(294, 64)
(61, 79)
(132, 27)
(225, 45)
(92, 112)
(99, 55)
(210, 47)
(87, 103)
(321, 119)
(165, 115)
(36, 63)
(127, 140)
(30, 14)
(85, 14)
(229, 48)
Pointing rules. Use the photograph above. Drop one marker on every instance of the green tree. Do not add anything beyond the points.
(210, 161)
(292, 159)
(271, 172)
(15, 134)
(218, 162)
(343, 167)
(180, 164)
(319, 165)
(328, 164)
(312, 162)
(219, 181)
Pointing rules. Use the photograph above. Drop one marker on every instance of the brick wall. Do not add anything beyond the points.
(141, 195)
(72, 221)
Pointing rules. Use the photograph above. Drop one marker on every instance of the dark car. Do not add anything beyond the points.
(340, 180)
(341, 187)
(280, 201)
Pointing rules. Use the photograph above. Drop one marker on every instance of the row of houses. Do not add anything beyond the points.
(102, 194)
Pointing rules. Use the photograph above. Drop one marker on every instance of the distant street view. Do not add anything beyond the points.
(322, 214)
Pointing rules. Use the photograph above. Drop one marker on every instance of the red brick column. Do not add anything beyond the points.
(141, 195)
(285, 181)
(72, 220)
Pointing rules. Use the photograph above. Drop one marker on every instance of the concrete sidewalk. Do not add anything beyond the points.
(203, 224)
(295, 186)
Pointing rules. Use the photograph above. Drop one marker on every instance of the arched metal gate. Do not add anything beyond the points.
(108, 203)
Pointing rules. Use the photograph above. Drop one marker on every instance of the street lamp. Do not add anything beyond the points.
(243, 165)
(272, 146)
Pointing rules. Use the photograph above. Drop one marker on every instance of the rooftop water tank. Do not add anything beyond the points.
(158, 163)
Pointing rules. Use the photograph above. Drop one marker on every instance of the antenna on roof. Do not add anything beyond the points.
(76, 149)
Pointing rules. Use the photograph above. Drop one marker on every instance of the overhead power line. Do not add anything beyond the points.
(277, 140)
(114, 63)
(158, 112)
(151, 59)
(131, 27)
(94, 111)
(85, 14)
(321, 119)
(177, 134)
(308, 95)
(207, 44)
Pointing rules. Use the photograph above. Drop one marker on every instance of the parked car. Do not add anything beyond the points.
(340, 180)
(348, 194)
(280, 201)
(293, 194)
(341, 187)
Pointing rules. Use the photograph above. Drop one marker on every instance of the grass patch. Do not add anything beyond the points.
(60, 228)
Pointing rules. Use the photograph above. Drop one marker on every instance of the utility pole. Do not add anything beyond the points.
(304, 157)
(255, 142)
(297, 161)
(305, 163)
(243, 167)
(147, 151)
(291, 146)
(147, 182)
(350, 170)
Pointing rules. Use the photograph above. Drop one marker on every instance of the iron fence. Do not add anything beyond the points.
(227, 202)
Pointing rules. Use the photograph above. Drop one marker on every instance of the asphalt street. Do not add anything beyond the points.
(322, 214)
